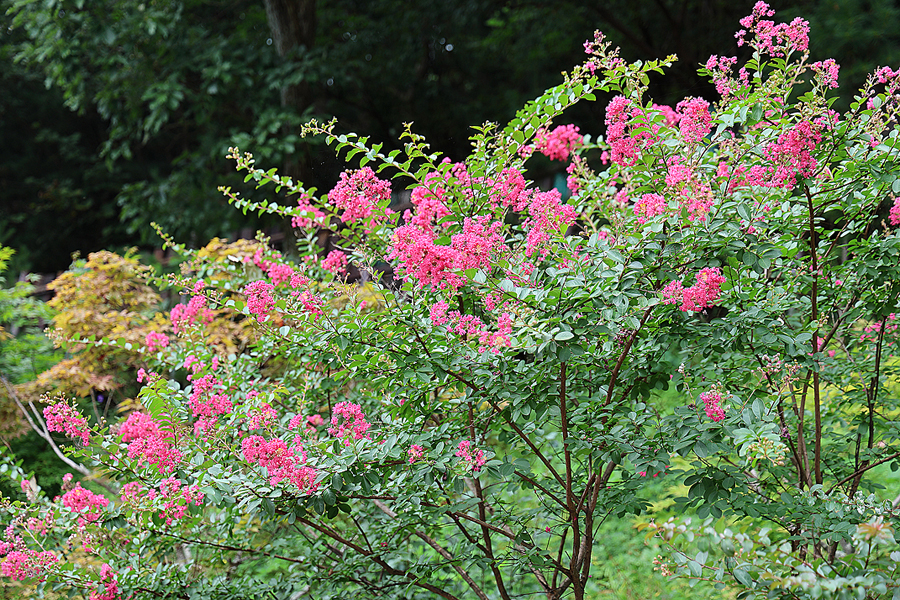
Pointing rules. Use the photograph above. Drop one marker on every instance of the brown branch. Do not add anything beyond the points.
(814, 293)
(440, 550)
(862, 470)
(377, 559)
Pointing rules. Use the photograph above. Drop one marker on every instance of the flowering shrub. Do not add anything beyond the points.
(496, 395)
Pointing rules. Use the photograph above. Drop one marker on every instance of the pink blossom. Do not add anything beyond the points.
(177, 499)
(438, 313)
(885, 74)
(259, 299)
(184, 315)
(827, 70)
(695, 119)
(705, 292)
(671, 115)
(430, 201)
(673, 292)
(131, 492)
(63, 417)
(559, 143)
(895, 212)
(306, 215)
(772, 39)
(148, 444)
(348, 422)
(310, 422)
(138, 425)
(473, 457)
(155, 340)
(335, 262)
(280, 272)
(207, 402)
(311, 303)
(108, 588)
(263, 416)
(648, 206)
(712, 402)
(362, 197)
(720, 67)
(791, 155)
(281, 462)
(415, 452)
(88, 504)
(625, 144)
(26, 564)
(479, 241)
(547, 215)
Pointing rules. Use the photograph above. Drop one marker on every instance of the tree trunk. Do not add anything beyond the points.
(293, 24)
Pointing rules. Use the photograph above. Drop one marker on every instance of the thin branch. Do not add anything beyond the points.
(440, 550)
(44, 433)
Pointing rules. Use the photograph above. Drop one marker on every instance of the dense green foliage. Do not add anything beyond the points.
(704, 333)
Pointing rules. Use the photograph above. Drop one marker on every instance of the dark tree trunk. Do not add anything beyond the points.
(293, 24)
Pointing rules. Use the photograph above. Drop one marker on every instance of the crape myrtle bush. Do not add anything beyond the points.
(462, 427)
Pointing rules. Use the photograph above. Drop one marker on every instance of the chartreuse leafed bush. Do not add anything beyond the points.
(464, 423)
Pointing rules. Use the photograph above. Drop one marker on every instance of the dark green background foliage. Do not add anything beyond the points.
(160, 90)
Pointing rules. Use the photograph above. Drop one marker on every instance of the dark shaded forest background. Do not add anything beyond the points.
(115, 113)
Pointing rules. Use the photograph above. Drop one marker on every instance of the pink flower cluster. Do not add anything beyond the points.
(308, 215)
(827, 70)
(108, 588)
(470, 326)
(311, 304)
(278, 272)
(548, 214)
(281, 462)
(871, 332)
(649, 206)
(559, 143)
(481, 238)
(63, 417)
(85, 502)
(895, 212)
(147, 443)
(772, 39)
(720, 67)
(261, 416)
(791, 155)
(712, 402)
(362, 197)
(696, 197)
(335, 262)
(473, 457)
(138, 425)
(177, 499)
(432, 264)
(415, 453)
(670, 114)
(695, 119)
(207, 402)
(308, 422)
(259, 299)
(26, 564)
(704, 293)
(624, 140)
(184, 315)
(348, 422)
(156, 340)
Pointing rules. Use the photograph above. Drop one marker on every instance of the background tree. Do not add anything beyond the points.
(160, 89)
